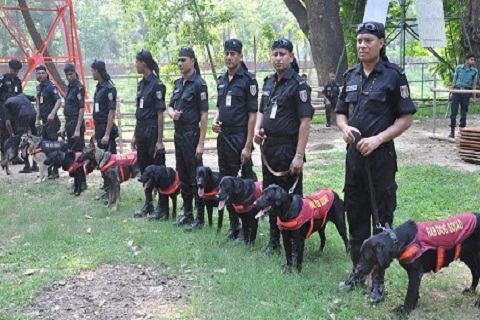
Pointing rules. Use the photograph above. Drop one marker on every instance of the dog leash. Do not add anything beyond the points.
(278, 173)
(368, 168)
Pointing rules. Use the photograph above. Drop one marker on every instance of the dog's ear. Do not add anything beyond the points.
(383, 256)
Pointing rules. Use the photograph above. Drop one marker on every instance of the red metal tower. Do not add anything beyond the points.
(64, 24)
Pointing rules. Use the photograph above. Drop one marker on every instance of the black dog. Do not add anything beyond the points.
(241, 193)
(11, 152)
(68, 162)
(424, 247)
(166, 181)
(207, 185)
(299, 217)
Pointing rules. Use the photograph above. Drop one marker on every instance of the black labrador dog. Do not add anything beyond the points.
(166, 181)
(422, 247)
(299, 217)
(11, 152)
(68, 162)
(207, 185)
(241, 193)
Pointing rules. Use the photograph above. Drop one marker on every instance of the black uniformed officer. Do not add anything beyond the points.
(104, 106)
(331, 90)
(235, 121)
(20, 116)
(148, 136)
(10, 85)
(283, 124)
(378, 91)
(189, 110)
(48, 103)
(74, 110)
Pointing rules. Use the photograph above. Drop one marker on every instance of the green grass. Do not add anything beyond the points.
(45, 229)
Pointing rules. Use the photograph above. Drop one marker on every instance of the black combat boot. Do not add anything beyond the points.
(452, 133)
(187, 217)
(232, 233)
(274, 243)
(162, 212)
(352, 282)
(377, 294)
(199, 221)
(26, 167)
(147, 207)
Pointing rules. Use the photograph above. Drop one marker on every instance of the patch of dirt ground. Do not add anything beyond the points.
(130, 292)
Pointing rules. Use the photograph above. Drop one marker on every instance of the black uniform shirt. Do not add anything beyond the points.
(105, 99)
(150, 98)
(331, 90)
(75, 99)
(47, 95)
(377, 100)
(236, 98)
(17, 107)
(191, 98)
(9, 87)
(284, 103)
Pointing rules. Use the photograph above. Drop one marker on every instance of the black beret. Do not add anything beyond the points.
(144, 55)
(69, 68)
(15, 64)
(40, 67)
(233, 45)
(186, 52)
(282, 43)
(99, 65)
(372, 27)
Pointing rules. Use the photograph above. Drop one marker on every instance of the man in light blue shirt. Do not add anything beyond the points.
(466, 77)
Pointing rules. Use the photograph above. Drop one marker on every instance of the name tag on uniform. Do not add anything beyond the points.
(16, 89)
(140, 105)
(96, 107)
(351, 88)
(41, 99)
(273, 114)
(228, 102)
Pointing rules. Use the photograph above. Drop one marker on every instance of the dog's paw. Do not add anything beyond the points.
(286, 268)
(477, 303)
(468, 292)
(38, 180)
(401, 313)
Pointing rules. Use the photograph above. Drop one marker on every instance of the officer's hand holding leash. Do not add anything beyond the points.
(51, 117)
(216, 126)
(296, 166)
(61, 133)
(259, 136)
(133, 143)
(348, 134)
(76, 134)
(199, 151)
(367, 145)
(175, 115)
(105, 139)
(159, 147)
(245, 155)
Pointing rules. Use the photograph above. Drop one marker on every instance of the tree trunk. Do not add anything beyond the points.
(38, 41)
(473, 27)
(324, 32)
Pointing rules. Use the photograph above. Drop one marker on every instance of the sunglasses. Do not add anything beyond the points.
(369, 26)
(281, 42)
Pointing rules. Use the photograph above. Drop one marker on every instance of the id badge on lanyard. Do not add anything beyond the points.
(96, 107)
(16, 89)
(140, 104)
(273, 112)
(228, 102)
(41, 98)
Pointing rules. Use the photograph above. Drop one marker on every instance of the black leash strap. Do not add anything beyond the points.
(368, 168)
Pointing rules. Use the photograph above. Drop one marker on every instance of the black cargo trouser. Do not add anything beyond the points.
(186, 140)
(100, 132)
(230, 143)
(50, 128)
(383, 166)
(146, 134)
(70, 125)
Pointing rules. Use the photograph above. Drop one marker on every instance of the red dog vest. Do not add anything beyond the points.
(257, 193)
(174, 187)
(440, 235)
(315, 206)
(120, 160)
(210, 195)
(75, 165)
